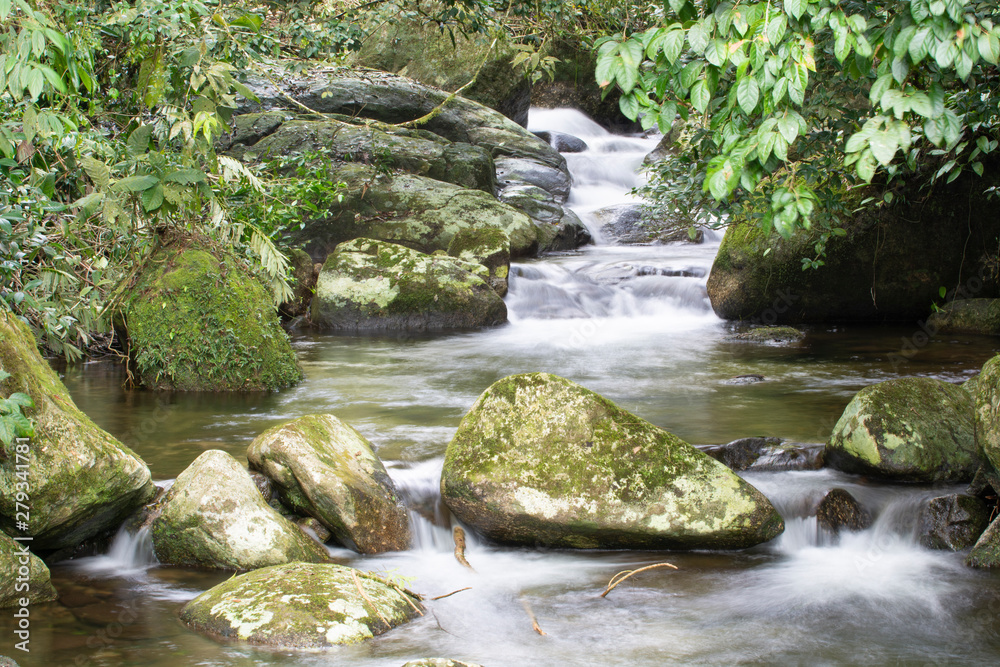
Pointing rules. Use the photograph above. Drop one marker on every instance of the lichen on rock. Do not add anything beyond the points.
(20, 565)
(539, 460)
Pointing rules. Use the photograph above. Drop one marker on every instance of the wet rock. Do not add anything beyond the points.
(975, 316)
(303, 284)
(68, 452)
(299, 605)
(315, 529)
(907, 429)
(413, 151)
(986, 551)
(327, 470)
(20, 566)
(198, 321)
(489, 248)
(752, 378)
(953, 522)
(263, 485)
(985, 483)
(524, 171)
(562, 142)
(770, 335)
(629, 224)
(839, 509)
(766, 454)
(214, 516)
(987, 407)
(557, 227)
(539, 460)
(415, 211)
(437, 662)
(7, 662)
(369, 285)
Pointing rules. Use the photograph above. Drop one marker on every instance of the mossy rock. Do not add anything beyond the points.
(908, 429)
(376, 286)
(68, 452)
(197, 321)
(488, 247)
(985, 552)
(300, 606)
(21, 567)
(329, 471)
(953, 522)
(975, 316)
(890, 265)
(436, 57)
(415, 211)
(987, 406)
(770, 335)
(540, 460)
(304, 283)
(439, 662)
(557, 227)
(420, 153)
(214, 517)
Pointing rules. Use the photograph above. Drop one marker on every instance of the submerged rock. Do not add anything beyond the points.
(975, 316)
(299, 605)
(439, 662)
(83, 481)
(19, 567)
(562, 142)
(198, 321)
(328, 470)
(766, 454)
(539, 460)
(770, 335)
(953, 522)
(557, 227)
(987, 407)
(907, 429)
(629, 224)
(373, 285)
(839, 509)
(214, 516)
(524, 171)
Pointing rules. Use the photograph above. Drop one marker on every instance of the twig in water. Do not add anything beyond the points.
(531, 615)
(448, 595)
(357, 583)
(622, 576)
(459, 536)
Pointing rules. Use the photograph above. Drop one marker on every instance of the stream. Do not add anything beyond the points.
(634, 324)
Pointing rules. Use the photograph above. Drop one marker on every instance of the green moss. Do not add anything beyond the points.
(987, 405)
(197, 322)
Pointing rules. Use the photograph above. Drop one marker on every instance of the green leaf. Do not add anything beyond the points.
(673, 45)
(866, 166)
(152, 198)
(748, 94)
(788, 125)
(6, 430)
(677, 5)
(776, 28)
(629, 106)
(138, 141)
(901, 45)
(697, 37)
(795, 8)
(97, 171)
(977, 167)
(690, 73)
(920, 45)
(883, 145)
(716, 52)
(700, 97)
(251, 21)
(135, 183)
(22, 399)
(189, 175)
(989, 48)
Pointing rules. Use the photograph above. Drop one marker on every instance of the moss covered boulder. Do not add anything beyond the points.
(83, 481)
(369, 285)
(327, 470)
(214, 516)
(540, 460)
(985, 552)
(24, 575)
(489, 248)
(415, 151)
(197, 321)
(987, 406)
(890, 265)
(975, 316)
(300, 605)
(907, 429)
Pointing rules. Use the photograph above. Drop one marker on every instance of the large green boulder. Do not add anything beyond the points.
(300, 606)
(423, 51)
(196, 320)
(415, 211)
(414, 151)
(214, 516)
(987, 406)
(83, 482)
(975, 316)
(908, 429)
(25, 576)
(891, 264)
(540, 460)
(372, 285)
(327, 470)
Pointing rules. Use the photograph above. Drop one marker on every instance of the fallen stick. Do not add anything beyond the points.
(459, 534)
(448, 595)
(625, 574)
(531, 615)
(357, 583)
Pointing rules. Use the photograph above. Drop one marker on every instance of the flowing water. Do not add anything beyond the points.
(634, 324)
